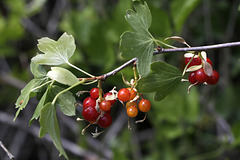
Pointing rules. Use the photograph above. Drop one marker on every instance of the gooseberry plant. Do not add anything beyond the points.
(53, 85)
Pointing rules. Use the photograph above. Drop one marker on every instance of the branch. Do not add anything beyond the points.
(163, 50)
(6, 150)
(200, 48)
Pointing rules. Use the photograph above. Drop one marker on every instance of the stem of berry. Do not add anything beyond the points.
(100, 90)
(67, 89)
(135, 72)
(185, 68)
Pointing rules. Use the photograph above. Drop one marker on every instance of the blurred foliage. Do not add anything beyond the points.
(182, 126)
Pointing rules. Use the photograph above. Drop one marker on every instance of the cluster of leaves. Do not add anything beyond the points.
(44, 84)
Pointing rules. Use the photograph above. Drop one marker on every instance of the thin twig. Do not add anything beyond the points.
(199, 48)
(6, 150)
(115, 71)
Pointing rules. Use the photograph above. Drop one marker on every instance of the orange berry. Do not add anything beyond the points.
(144, 105)
(133, 93)
(132, 111)
(129, 103)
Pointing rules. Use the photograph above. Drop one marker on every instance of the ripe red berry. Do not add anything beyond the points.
(89, 101)
(94, 93)
(90, 114)
(105, 121)
(194, 62)
(144, 105)
(123, 94)
(111, 101)
(105, 105)
(201, 76)
(132, 111)
(213, 79)
(209, 61)
(191, 78)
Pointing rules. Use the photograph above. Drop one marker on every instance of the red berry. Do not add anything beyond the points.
(144, 105)
(89, 101)
(123, 94)
(191, 78)
(105, 105)
(108, 112)
(194, 62)
(201, 76)
(90, 114)
(209, 61)
(132, 111)
(105, 121)
(111, 101)
(213, 79)
(94, 93)
(132, 93)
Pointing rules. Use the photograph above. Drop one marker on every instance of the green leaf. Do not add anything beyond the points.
(163, 79)
(37, 70)
(180, 11)
(25, 94)
(55, 52)
(140, 20)
(140, 46)
(62, 76)
(49, 124)
(66, 101)
(39, 107)
(139, 43)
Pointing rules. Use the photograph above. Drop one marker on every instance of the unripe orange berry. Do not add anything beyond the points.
(129, 103)
(132, 111)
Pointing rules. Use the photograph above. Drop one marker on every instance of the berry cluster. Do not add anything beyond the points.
(201, 69)
(130, 96)
(98, 110)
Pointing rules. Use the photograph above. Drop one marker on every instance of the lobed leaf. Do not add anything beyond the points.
(140, 46)
(140, 42)
(26, 93)
(140, 20)
(37, 70)
(163, 79)
(62, 76)
(49, 124)
(55, 52)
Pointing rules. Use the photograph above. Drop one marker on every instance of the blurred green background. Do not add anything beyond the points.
(202, 125)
